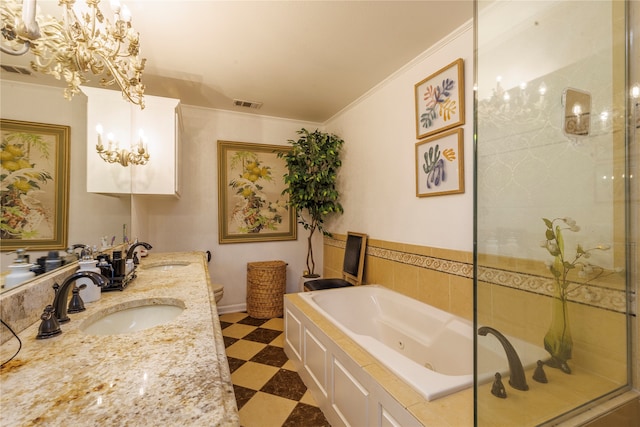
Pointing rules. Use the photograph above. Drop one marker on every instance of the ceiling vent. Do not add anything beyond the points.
(247, 104)
(15, 69)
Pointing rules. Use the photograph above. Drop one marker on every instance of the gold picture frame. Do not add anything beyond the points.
(35, 185)
(251, 204)
(439, 100)
(440, 164)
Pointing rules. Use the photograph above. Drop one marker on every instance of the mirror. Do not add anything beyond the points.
(90, 216)
(576, 120)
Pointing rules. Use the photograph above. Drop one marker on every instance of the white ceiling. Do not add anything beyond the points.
(302, 59)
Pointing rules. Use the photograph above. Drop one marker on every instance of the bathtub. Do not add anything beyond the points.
(429, 349)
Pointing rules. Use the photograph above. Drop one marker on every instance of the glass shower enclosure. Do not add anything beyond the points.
(555, 206)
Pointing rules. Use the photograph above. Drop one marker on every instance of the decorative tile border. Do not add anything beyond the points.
(432, 263)
(591, 295)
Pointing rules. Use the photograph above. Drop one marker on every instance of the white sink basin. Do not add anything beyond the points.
(133, 316)
(165, 266)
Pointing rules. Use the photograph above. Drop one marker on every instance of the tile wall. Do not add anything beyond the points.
(444, 279)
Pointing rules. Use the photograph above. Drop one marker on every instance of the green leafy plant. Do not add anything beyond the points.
(313, 163)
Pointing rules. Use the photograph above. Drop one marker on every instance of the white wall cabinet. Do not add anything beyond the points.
(160, 122)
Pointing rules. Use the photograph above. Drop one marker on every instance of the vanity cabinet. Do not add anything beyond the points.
(160, 124)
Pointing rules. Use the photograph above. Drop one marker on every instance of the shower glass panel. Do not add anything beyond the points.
(551, 209)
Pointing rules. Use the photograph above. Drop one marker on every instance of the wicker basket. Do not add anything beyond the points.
(266, 284)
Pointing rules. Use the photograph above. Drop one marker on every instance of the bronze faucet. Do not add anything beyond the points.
(131, 253)
(62, 295)
(56, 313)
(517, 379)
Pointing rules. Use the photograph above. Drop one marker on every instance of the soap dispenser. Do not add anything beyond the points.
(20, 270)
(91, 292)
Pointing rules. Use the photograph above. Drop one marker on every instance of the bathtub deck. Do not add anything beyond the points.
(453, 410)
(456, 410)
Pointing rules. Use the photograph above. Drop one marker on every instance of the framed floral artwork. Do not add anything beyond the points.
(35, 185)
(251, 206)
(440, 164)
(440, 100)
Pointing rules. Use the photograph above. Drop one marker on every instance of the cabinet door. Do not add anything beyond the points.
(107, 109)
(160, 125)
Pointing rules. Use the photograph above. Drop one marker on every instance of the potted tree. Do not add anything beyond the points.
(313, 164)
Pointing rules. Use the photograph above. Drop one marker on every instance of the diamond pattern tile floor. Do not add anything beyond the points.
(269, 393)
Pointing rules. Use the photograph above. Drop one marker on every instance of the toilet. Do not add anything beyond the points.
(218, 291)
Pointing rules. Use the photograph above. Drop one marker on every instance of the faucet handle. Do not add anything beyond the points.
(497, 389)
(49, 327)
(76, 305)
(539, 374)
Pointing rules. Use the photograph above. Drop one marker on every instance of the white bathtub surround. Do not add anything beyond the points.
(427, 349)
(172, 374)
(350, 385)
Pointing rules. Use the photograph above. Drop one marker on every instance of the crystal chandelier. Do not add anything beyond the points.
(138, 155)
(76, 45)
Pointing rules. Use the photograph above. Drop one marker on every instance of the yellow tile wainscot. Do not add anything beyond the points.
(171, 374)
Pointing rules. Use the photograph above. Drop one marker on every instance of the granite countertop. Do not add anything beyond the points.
(172, 374)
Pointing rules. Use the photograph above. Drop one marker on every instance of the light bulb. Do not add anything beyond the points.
(126, 14)
(542, 89)
(115, 6)
(577, 109)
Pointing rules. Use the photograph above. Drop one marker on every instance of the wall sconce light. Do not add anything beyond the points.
(576, 118)
(138, 155)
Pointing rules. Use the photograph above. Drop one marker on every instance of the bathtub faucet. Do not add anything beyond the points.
(517, 379)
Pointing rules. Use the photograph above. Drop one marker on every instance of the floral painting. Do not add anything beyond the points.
(35, 185)
(251, 204)
(440, 164)
(440, 100)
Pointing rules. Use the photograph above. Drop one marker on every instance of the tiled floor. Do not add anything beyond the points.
(269, 392)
